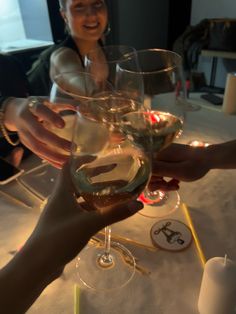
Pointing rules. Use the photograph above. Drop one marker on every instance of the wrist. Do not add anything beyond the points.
(9, 110)
(4, 128)
(222, 156)
(38, 256)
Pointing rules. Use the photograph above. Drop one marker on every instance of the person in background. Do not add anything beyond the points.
(62, 231)
(21, 130)
(86, 23)
(187, 163)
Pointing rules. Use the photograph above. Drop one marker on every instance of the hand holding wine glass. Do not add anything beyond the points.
(111, 172)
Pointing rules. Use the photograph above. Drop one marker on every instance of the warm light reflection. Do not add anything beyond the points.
(195, 143)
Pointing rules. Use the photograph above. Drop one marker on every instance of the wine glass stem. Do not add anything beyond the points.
(106, 260)
(107, 240)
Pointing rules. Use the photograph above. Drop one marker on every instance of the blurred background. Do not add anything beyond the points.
(27, 27)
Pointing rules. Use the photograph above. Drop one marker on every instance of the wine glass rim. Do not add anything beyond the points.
(176, 63)
(114, 96)
(56, 77)
(110, 47)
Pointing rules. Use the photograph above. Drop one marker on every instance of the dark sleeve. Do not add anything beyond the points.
(38, 76)
(13, 83)
(13, 80)
(2, 99)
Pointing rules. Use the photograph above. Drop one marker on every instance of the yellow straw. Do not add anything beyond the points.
(76, 299)
(194, 233)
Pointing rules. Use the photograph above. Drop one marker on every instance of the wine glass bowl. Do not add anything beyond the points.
(113, 170)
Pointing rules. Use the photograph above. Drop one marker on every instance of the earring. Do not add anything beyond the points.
(108, 29)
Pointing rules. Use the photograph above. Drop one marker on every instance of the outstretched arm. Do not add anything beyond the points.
(63, 229)
(27, 122)
(187, 163)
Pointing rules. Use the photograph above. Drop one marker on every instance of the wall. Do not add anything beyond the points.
(36, 19)
(11, 26)
(140, 25)
(214, 9)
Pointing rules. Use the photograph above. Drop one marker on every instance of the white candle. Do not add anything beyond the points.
(218, 288)
(229, 103)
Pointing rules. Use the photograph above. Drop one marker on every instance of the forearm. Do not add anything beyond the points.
(221, 156)
(24, 278)
(11, 105)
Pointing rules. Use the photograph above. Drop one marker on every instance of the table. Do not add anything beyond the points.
(174, 283)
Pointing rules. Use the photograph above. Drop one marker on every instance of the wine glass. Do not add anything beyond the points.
(109, 166)
(164, 95)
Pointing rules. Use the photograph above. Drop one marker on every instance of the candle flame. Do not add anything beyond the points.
(196, 143)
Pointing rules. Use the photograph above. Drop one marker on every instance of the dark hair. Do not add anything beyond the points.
(62, 3)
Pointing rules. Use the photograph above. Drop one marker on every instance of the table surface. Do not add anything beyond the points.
(174, 282)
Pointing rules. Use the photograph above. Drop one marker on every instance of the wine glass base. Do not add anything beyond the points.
(188, 106)
(162, 207)
(92, 275)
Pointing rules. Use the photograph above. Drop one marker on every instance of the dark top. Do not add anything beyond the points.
(38, 75)
(13, 83)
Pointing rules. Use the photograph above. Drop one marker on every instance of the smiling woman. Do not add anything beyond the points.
(86, 22)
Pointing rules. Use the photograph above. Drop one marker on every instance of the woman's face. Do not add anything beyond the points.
(86, 19)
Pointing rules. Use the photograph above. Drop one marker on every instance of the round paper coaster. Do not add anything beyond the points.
(171, 235)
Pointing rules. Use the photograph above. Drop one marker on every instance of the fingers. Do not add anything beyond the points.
(42, 150)
(167, 169)
(43, 113)
(174, 152)
(39, 132)
(183, 171)
(16, 156)
(112, 215)
(58, 107)
(158, 183)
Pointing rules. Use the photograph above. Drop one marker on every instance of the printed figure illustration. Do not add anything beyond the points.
(171, 235)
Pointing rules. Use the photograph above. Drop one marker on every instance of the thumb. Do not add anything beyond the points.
(64, 183)
(16, 156)
(117, 213)
(168, 169)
